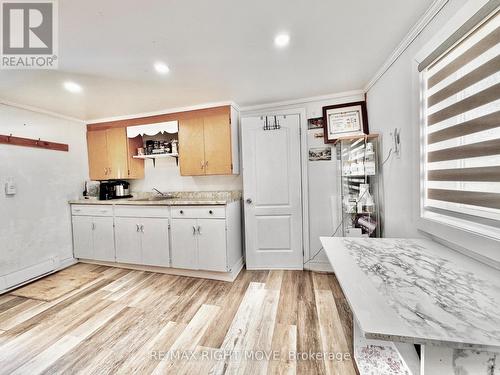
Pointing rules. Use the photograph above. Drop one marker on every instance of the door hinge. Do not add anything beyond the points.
(129, 172)
(229, 119)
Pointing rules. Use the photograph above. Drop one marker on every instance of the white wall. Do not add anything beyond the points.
(166, 177)
(391, 104)
(35, 223)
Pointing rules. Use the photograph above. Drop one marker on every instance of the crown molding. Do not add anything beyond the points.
(414, 32)
(39, 110)
(302, 100)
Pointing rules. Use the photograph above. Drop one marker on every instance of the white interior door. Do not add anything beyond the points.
(272, 193)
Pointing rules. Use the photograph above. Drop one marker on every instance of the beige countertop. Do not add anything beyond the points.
(185, 198)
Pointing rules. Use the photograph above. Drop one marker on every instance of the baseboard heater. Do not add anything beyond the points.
(17, 278)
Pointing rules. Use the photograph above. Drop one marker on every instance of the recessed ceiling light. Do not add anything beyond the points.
(72, 86)
(161, 68)
(282, 40)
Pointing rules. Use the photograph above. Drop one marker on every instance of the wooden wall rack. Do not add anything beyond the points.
(36, 143)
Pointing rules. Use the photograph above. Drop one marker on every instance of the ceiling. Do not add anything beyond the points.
(217, 50)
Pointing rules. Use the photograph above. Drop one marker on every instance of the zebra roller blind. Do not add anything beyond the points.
(462, 131)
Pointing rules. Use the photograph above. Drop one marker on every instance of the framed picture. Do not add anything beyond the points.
(315, 123)
(344, 120)
(320, 153)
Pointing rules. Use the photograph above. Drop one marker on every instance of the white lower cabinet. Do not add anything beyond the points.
(154, 240)
(142, 241)
(93, 238)
(211, 235)
(184, 247)
(128, 240)
(82, 237)
(206, 238)
(199, 244)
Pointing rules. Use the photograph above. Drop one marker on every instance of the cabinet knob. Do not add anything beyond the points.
(210, 212)
(181, 212)
(249, 201)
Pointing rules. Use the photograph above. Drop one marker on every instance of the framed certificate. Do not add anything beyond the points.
(344, 120)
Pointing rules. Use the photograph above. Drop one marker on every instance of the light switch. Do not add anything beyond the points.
(10, 187)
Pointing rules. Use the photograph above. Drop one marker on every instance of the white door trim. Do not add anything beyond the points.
(304, 152)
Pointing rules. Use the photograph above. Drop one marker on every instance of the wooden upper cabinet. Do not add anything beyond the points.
(217, 131)
(191, 147)
(110, 155)
(98, 154)
(117, 153)
(208, 143)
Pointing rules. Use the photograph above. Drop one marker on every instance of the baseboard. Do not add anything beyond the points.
(27, 275)
(222, 276)
(319, 267)
(274, 268)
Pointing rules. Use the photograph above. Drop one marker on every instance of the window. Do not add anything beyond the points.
(461, 129)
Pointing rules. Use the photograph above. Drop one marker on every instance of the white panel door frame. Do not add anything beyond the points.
(304, 153)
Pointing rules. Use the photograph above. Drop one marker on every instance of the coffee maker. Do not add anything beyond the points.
(106, 191)
(114, 190)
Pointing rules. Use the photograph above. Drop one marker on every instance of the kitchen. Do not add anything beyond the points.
(238, 198)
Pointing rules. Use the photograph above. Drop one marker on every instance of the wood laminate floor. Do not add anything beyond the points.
(126, 322)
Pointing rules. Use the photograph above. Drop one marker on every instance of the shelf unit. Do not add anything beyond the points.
(358, 167)
(158, 156)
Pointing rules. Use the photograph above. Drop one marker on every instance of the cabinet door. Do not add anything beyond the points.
(183, 234)
(128, 240)
(82, 237)
(155, 246)
(217, 134)
(116, 140)
(104, 240)
(191, 147)
(212, 254)
(98, 155)
(135, 166)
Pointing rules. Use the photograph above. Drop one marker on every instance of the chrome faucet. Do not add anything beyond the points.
(159, 192)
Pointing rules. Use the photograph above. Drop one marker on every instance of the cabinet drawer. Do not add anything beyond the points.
(199, 212)
(142, 211)
(91, 210)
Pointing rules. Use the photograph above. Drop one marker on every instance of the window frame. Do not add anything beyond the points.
(478, 245)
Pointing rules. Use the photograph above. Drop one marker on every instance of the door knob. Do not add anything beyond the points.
(249, 200)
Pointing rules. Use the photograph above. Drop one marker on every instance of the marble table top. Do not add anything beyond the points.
(418, 291)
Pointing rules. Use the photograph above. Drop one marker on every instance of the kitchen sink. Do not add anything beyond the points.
(152, 199)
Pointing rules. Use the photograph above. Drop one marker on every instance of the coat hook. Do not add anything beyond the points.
(9, 137)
